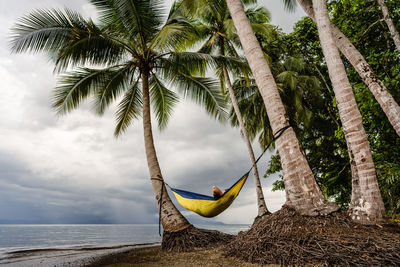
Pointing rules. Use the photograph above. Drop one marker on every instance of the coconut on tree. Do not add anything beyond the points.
(128, 56)
(217, 35)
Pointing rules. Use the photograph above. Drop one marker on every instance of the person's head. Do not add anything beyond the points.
(214, 187)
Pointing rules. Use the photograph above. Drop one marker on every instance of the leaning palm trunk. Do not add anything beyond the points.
(172, 220)
(302, 192)
(262, 207)
(366, 203)
(377, 88)
(392, 28)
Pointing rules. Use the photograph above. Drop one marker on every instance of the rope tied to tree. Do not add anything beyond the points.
(160, 201)
(276, 136)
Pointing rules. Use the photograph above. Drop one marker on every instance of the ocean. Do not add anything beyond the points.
(45, 236)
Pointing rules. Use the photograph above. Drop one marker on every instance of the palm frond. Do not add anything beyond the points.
(267, 31)
(204, 91)
(290, 5)
(258, 15)
(177, 33)
(116, 80)
(91, 45)
(74, 87)
(249, 2)
(288, 78)
(188, 62)
(129, 108)
(163, 101)
(45, 30)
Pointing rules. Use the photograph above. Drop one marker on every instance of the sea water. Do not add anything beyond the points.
(27, 237)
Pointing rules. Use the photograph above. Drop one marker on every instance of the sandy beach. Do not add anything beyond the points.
(118, 256)
(66, 256)
(154, 256)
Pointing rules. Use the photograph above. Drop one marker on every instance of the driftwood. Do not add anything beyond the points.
(287, 238)
(192, 238)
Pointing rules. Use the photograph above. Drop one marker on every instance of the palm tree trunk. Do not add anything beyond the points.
(262, 207)
(172, 220)
(377, 88)
(366, 204)
(302, 191)
(392, 28)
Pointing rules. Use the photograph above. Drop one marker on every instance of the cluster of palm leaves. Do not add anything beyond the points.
(108, 59)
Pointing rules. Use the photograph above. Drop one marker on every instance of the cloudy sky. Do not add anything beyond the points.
(72, 170)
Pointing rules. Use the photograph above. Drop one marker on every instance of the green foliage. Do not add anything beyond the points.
(361, 22)
(322, 138)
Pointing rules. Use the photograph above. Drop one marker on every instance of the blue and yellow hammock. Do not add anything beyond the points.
(207, 206)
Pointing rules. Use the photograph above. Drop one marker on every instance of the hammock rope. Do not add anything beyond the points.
(239, 183)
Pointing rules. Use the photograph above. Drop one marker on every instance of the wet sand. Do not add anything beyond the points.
(68, 256)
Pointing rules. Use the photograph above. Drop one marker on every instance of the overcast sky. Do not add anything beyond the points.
(72, 170)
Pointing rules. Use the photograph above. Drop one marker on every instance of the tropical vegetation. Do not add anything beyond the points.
(340, 113)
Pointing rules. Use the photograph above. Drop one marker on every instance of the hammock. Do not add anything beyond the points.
(207, 206)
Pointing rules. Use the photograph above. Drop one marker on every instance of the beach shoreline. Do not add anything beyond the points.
(80, 255)
(149, 254)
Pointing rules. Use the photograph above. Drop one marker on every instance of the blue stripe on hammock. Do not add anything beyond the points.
(192, 195)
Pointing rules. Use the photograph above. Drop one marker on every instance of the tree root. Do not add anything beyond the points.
(192, 238)
(288, 238)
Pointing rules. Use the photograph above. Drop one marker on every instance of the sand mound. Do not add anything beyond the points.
(288, 238)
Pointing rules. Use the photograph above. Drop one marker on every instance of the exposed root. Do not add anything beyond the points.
(192, 238)
(288, 238)
(259, 217)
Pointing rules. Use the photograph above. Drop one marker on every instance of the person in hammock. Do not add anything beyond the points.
(217, 193)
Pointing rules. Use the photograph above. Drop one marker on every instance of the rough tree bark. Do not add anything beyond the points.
(262, 207)
(172, 220)
(302, 191)
(392, 28)
(366, 203)
(376, 86)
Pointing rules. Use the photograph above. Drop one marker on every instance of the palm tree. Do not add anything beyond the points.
(296, 88)
(376, 86)
(132, 49)
(302, 191)
(366, 202)
(392, 28)
(217, 29)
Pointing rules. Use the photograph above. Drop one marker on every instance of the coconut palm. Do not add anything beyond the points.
(302, 191)
(366, 202)
(218, 36)
(129, 56)
(392, 28)
(295, 87)
(376, 86)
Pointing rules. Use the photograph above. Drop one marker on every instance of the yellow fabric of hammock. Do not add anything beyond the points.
(207, 206)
